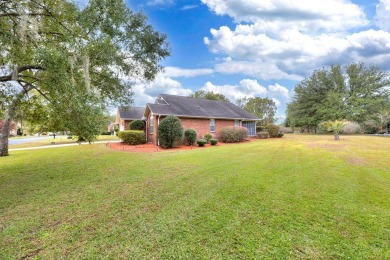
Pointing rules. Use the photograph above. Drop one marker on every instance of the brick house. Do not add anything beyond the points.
(124, 115)
(205, 116)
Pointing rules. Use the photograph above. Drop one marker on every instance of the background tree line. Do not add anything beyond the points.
(353, 92)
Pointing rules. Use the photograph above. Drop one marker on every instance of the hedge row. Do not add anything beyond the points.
(132, 137)
(233, 134)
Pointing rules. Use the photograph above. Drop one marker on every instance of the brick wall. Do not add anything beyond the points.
(200, 125)
(125, 123)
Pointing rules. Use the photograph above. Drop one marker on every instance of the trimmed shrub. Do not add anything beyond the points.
(106, 133)
(213, 141)
(190, 136)
(201, 142)
(207, 137)
(263, 135)
(233, 134)
(352, 128)
(137, 125)
(132, 137)
(286, 130)
(272, 129)
(170, 132)
(280, 134)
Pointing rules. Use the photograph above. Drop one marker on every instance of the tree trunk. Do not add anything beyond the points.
(7, 122)
(4, 136)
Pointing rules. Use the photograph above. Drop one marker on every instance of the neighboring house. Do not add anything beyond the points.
(205, 116)
(12, 129)
(124, 115)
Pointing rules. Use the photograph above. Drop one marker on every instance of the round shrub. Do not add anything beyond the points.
(201, 142)
(213, 141)
(207, 137)
(280, 134)
(286, 130)
(137, 125)
(233, 134)
(263, 135)
(190, 136)
(352, 128)
(272, 129)
(132, 137)
(170, 132)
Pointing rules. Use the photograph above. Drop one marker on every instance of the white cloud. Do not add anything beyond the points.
(279, 89)
(257, 69)
(291, 54)
(160, 2)
(175, 72)
(307, 15)
(147, 93)
(383, 15)
(245, 88)
(188, 7)
(284, 39)
(277, 102)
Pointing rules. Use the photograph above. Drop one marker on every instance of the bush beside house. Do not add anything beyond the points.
(190, 136)
(201, 142)
(170, 132)
(137, 125)
(213, 141)
(272, 129)
(263, 135)
(132, 137)
(233, 134)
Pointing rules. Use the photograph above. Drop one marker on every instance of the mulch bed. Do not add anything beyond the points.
(151, 148)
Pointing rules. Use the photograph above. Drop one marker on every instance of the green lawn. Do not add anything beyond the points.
(297, 197)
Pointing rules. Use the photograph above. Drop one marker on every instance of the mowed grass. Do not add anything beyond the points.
(297, 197)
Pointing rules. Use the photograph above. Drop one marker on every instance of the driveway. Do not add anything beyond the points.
(29, 139)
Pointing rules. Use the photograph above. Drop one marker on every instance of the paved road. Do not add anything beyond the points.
(31, 139)
(60, 145)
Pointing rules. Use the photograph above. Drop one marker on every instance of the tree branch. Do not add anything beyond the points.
(33, 87)
(13, 14)
(19, 70)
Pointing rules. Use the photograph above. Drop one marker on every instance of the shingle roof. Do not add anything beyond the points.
(196, 107)
(131, 112)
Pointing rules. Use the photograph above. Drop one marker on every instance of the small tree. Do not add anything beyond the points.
(335, 127)
(137, 125)
(190, 136)
(170, 132)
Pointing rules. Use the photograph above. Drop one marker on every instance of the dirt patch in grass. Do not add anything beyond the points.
(329, 147)
(358, 161)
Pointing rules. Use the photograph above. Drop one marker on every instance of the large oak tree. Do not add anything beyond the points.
(76, 58)
(354, 92)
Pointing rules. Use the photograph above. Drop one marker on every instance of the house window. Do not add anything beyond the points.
(236, 123)
(251, 126)
(212, 125)
(151, 127)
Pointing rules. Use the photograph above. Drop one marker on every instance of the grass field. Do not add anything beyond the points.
(299, 196)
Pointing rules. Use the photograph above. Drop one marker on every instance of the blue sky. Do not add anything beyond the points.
(247, 48)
